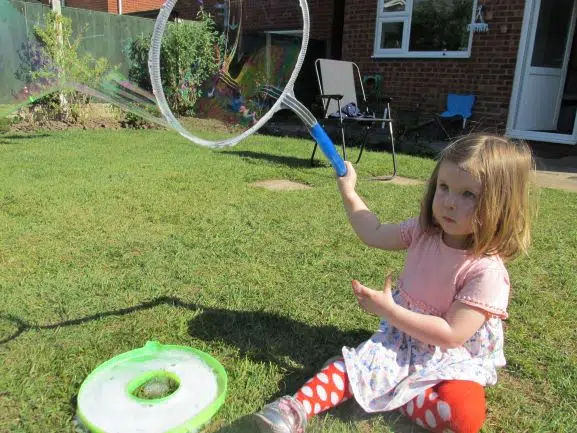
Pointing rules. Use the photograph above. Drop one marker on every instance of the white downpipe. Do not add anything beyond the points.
(119, 7)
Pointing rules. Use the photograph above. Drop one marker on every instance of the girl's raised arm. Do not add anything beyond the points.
(365, 223)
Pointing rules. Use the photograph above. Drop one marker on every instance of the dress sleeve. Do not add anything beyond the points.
(486, 287)
(410, 230)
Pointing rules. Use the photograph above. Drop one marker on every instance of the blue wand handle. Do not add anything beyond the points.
(328, 148)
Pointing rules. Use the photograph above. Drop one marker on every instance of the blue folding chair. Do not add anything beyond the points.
(458, 107)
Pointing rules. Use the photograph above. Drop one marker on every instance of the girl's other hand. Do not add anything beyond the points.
(375, 301)
(348, 182)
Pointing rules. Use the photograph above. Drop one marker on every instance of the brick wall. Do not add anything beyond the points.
(128, 6)
(95, 5)
(488, 73)
(131, 6)
(273, 15)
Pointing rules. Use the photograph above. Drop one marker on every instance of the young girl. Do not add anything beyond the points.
(440, 339)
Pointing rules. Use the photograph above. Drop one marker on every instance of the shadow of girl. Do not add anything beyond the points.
(265, 337)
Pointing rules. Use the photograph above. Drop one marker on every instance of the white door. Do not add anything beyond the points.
(548, 48)
(548, 51)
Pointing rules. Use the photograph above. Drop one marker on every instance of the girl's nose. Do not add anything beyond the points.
(449, 201)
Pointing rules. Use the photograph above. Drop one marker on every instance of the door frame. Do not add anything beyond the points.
(528, 31)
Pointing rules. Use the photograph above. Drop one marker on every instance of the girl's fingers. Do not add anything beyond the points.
(388, 281)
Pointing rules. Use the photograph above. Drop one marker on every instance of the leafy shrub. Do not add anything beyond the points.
(189, 56)
(52, 59)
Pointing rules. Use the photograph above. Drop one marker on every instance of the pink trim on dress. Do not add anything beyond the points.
(423, 306)
(493, 311)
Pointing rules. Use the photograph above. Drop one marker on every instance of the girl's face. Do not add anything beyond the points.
(454, 203)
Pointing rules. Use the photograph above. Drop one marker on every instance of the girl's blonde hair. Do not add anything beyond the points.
(502, 219)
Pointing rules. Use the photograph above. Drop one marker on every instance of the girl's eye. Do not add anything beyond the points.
(468, 194)
(443, 187)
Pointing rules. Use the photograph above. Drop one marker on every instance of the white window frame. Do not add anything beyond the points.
(406, 17)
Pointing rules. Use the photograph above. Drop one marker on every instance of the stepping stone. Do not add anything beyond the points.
(280, 185)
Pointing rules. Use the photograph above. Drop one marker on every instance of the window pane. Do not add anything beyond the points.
(440, 25)
(392, 35)
(394, 5)
(552, 32)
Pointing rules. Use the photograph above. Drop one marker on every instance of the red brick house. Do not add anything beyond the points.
(273, 15)
(523, 70)
(281, 19)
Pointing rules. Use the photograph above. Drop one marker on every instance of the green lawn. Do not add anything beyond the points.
(111, 239)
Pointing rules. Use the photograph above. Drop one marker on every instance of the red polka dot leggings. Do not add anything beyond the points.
(452, 406)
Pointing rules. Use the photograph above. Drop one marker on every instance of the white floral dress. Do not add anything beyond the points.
(391, 368)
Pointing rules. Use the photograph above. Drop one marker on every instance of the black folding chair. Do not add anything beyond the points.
(338, 81)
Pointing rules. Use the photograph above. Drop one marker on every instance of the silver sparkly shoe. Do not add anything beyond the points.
(285, 415)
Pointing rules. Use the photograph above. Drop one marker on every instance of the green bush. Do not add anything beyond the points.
(53, 61)
(189, 56)
(76, 68)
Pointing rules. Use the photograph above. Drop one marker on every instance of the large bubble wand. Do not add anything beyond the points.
(285, 98)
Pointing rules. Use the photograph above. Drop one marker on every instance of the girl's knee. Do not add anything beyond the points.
(452, 406)
(466, 402)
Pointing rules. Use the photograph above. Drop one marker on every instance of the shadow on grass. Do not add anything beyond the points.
(23, 136)
(12, 139)
(260, 336)
(265, 337)
(289, 161)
